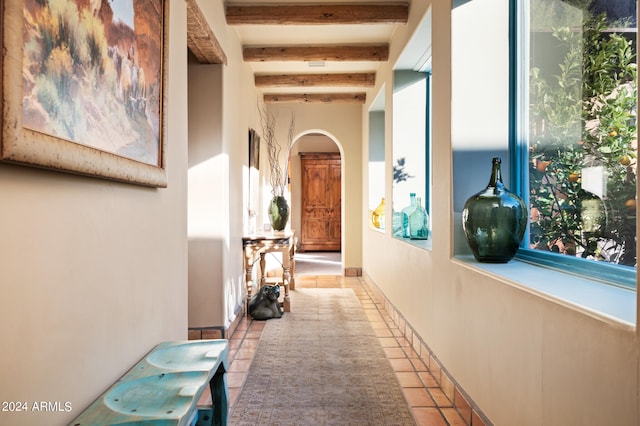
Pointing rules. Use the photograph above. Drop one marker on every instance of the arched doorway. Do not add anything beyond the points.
(317, 144)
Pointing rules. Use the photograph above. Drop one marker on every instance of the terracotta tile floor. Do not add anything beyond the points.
(428, 402)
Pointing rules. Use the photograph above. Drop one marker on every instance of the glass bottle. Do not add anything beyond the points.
(377, 217)
(494, 220)
(396, 222)
(406, 212)
(592, 214)
(419, 222)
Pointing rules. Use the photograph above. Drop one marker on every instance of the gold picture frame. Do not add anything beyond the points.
(83, 87)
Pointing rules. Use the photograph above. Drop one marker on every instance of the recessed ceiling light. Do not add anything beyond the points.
(317, 64)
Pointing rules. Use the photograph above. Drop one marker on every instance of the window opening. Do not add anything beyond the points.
(574, 90)
(376, 161)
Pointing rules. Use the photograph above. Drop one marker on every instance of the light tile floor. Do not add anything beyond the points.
(429, 403)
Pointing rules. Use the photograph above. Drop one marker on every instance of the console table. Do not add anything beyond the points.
(255, 248)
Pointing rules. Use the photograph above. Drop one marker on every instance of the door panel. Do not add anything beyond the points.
(321, 202)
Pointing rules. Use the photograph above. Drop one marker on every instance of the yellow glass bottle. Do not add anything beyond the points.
(377, 216)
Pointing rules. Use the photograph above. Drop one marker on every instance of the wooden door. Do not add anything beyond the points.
(320, 220)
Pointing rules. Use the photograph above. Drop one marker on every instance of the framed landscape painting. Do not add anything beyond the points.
(83, 87)
(254, 149)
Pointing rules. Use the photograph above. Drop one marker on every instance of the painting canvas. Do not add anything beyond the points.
(84, 84)
(254, 180)
(254, 149)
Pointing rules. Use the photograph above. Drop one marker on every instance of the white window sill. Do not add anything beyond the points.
(425, 244)
(606, 302)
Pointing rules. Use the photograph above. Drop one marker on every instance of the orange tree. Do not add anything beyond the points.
(583, 126)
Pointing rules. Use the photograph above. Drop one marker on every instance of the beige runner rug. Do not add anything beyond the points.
(321, 364)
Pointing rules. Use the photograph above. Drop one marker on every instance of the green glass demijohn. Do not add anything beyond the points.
(494, 220)
(278, 213)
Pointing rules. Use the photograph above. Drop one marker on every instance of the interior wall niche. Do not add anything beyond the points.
(377, 169)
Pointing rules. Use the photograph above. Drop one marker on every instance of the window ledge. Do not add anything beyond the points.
(425, 244)
(612, 304)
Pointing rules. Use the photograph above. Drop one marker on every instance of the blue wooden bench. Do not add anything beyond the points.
(163, 388)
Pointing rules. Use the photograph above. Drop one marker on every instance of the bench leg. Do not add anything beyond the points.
(220, 397)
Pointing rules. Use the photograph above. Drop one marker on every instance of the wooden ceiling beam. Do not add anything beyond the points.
(326, 98)
(316, 80)
(377, 53)
(317, 14)
(200, 38)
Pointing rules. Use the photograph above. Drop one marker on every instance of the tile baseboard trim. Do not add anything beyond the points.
(217, 331)
(203, 333)
(468, 409)
(352, 272)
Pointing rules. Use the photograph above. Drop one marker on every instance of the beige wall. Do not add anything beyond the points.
(524, 358)
(94, 273)
(337, 123)
(222, 108)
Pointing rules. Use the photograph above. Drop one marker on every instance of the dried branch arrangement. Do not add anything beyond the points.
(278, 179)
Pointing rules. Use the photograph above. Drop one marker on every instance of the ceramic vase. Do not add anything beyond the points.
(494, 220)
(278, 213)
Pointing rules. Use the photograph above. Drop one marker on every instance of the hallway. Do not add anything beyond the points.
(429, 401)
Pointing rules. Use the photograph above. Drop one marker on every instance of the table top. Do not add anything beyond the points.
(268, 236)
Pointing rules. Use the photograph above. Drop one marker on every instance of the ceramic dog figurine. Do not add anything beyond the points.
(264, 304)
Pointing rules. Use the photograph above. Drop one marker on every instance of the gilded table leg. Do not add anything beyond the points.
(286, 277)
(248, 276)
(263, 265)
(292, 261)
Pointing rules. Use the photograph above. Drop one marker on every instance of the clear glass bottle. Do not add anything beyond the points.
(419, 222)
(377, 216)
(406, 212)
(397, 224)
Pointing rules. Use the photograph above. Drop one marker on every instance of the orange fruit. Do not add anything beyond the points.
(535, 214)
(573, 177)
(613, 133)
(631, 203)
(542, 165)
(625, 160)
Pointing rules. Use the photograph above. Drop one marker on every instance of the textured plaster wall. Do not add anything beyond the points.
(94, 273)
(342, 124)
(522, 357)
(222, 108)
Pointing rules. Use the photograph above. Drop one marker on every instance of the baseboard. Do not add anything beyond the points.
(461, 400)
(216, 331)
(352, 272)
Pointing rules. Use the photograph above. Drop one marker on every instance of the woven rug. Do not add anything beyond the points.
(321, 364)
